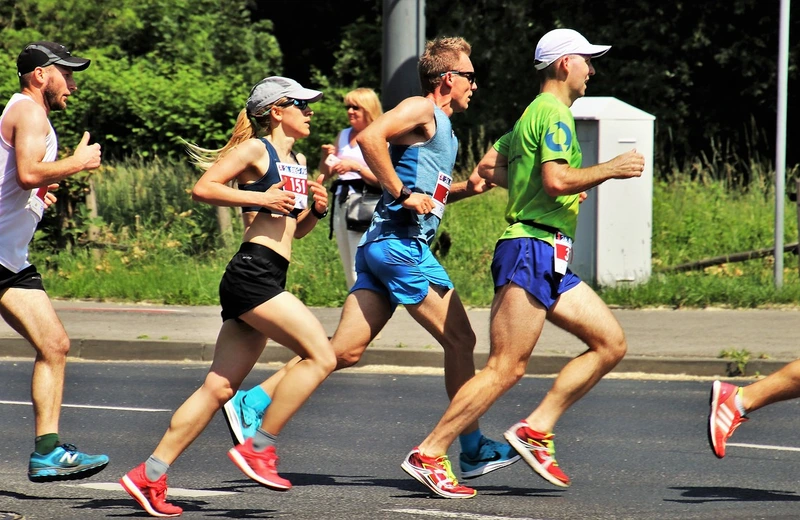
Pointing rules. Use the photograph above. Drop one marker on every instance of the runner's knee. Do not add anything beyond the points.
(218, 388)
(54, 349)
(460, 342)
(613, 348)
(326, 359)
(348, 358)
(507, 372)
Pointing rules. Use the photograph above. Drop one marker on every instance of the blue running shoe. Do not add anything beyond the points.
(243, 420)
(64, 463)
(492, 455)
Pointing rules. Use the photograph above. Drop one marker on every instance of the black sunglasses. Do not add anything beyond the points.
(354, 107)
(469, 75)
(302, 104)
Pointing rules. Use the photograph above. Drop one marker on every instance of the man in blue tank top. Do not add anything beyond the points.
(411, 149)
(394, 263)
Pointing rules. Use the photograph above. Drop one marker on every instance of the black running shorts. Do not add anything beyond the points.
(254, 275)
(28, 278)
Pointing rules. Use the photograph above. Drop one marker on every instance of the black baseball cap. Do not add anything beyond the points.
(42, 54)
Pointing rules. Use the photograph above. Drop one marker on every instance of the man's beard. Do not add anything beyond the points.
(53, 99)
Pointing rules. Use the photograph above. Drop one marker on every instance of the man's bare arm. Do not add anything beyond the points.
(409, 115)
(29, 129)
(559, 178)
(493, 167)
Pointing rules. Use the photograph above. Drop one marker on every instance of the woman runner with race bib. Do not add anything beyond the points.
(279, 203)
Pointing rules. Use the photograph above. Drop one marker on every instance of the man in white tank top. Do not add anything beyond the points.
(28, 153)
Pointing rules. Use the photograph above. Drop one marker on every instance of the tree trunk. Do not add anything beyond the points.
(225, 224)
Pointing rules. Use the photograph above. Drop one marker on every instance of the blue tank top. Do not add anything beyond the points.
(270, 178)
(425, 168)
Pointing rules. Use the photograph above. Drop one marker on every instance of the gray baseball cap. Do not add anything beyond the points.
(271, 89)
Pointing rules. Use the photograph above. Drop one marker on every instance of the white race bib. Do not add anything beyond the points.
(36, 204)
(440, 194)
(296, 177)
(563, 253)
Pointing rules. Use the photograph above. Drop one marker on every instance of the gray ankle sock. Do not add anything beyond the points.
(263, 440)
(154, 468)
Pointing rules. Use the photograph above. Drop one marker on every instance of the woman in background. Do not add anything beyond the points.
(354, 176)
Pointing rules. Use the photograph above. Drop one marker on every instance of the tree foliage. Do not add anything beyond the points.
(165, 69)
(705, 69)
(162, 69)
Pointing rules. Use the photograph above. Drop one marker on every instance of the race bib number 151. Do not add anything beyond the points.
(296, 177)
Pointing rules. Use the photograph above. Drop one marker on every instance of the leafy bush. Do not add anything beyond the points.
(162, 69)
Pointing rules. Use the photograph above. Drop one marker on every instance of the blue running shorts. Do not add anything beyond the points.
(402, 269)
(528, 262)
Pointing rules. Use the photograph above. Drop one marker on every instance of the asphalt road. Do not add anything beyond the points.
(634, 449)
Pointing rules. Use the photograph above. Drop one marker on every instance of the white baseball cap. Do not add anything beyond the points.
(561, 42)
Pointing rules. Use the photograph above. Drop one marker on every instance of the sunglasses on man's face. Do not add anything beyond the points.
(302, 104)
(470, 76)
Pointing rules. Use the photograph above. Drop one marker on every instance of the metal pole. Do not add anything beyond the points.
(780, 139)
(797, 195)
(403, 43)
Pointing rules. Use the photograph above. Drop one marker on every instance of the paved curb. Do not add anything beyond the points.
(539, 364)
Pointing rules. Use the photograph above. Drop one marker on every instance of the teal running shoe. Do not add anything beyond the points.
(243, 420)
(64, 463)
(491, 455)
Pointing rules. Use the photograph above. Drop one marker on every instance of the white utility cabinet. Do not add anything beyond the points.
(613, 241)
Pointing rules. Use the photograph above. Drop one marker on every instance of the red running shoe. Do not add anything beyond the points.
(723, 417)
(435, 473)
(261, 466)
(538, 451)
(152, 496)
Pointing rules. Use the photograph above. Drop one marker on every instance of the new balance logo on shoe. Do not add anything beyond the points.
(68, 458)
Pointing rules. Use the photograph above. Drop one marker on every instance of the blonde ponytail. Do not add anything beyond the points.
(243, 130)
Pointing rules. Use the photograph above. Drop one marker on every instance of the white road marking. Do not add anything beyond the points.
(137, 310)
(763, 446)
(120, 408)
(173, 491)
(447, 514)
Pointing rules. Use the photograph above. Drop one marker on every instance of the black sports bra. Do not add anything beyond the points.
(270, 178)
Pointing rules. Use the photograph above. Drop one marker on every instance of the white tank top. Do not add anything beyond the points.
(345, 151)
(18, 220)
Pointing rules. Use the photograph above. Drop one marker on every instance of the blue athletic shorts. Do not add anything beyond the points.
(402, 269)
(528, 262)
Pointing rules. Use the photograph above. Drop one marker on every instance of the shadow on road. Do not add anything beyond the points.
(700, 494)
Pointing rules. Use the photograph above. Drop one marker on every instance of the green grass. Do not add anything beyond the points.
(164, 248)
(159, 275)
(695, 220)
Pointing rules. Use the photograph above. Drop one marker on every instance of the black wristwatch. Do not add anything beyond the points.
(404, 194)
(317, 214)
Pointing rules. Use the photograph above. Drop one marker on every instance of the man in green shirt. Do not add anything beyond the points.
(539, 162)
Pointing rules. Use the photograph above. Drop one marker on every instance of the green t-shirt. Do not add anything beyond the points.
(545, 132)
